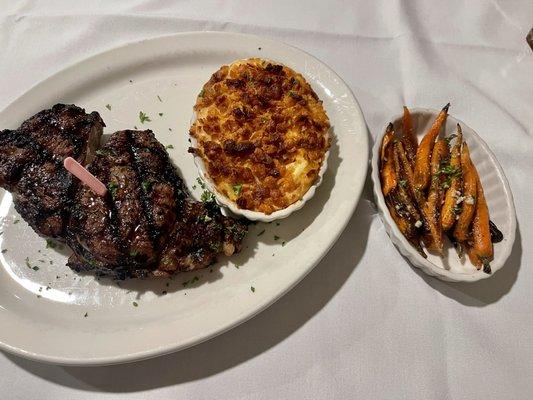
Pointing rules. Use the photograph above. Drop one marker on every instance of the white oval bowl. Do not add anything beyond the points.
(250, 214)
(497, 191)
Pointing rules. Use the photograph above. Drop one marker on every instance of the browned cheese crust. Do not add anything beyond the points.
(262, 133)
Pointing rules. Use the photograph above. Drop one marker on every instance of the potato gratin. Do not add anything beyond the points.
(262, 133)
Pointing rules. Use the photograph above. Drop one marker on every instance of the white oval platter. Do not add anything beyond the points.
(54, 315)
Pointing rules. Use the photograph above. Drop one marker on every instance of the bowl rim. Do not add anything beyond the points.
(399, 239)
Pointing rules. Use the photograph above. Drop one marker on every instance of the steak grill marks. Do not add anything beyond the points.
(147, 224)
(31, 164)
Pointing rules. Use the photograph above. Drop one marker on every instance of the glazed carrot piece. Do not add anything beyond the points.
(388, 175)
(409, 176)
(481, 251)
(422, 168)
(401, 189)
(406, 227)
(434, 200)
(451, 204)
(461, 231)
(408, 137)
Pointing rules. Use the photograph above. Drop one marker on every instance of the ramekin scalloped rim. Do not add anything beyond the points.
(497, 192)
(256, 215)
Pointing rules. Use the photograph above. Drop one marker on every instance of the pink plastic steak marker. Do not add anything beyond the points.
(76, 169)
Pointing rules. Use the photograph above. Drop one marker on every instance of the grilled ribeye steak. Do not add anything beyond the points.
(31, 164)
(147, 224)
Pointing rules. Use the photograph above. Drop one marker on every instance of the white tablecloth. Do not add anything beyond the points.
(363, 324)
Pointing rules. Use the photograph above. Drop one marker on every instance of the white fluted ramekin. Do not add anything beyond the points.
(497, 192)
(256, 215)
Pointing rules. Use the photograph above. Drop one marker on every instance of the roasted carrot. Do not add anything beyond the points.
(434, 200)
(389, 179)
(403, 195)
(453, 197)
(406, 226)
(481, 251)
(462, 225)
(422, 168)
(408, 137)
(409, 177)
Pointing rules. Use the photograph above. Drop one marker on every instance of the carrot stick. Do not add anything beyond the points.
(423, 154)
(406, 226)
(461, 231)
(451, 206)
(481, 251)
(433, 203)
(388, 175)
(409, 176)
(408, 137)
(401, 189)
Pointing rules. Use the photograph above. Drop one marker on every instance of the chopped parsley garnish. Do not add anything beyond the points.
(134, 253)
(260, 233)
(207, 197)
(276, 237)
(108, 106)
(283, 243)
(159, 98)
(204, 218)
(27, 261)
(160, 114)
(169, 146)
(450, 172)
(193, 187)
(86, 315)
(147, 185)
(202, 92)
(448, 139)
(4, 250)
(135, 304)
(112, 189)
(201, 183)
(402, 183)
(16, 221)
(143, 117)
(252, 289)
(237, 189)
(457, 209)
(50, 244)
(35, 268)
(164, 292)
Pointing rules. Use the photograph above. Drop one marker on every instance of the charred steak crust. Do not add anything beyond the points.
(148, 224)
(31, 164)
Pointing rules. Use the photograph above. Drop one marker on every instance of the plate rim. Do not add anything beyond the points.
(167, 349)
